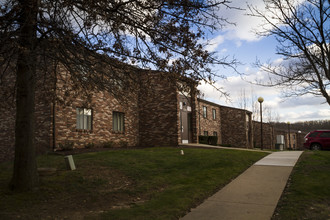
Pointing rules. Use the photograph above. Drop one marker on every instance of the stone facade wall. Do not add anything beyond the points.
(158, 104)
(208, 124)
(236, 127)
(269, 137)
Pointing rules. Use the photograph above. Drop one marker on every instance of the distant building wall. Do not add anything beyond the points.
(297, 138)
(210, 122)
(236, 127)
(268, 135)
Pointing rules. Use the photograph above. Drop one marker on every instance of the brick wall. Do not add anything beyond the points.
(43, 100)
(236, 127)
(268, 135)
(297, 138)
(208, 124)
(7, 132)
(158, 104)
(102, 104)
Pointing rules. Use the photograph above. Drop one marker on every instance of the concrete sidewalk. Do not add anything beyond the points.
(252, 195)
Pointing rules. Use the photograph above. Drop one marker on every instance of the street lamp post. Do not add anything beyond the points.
(260, 100)
(289, 135)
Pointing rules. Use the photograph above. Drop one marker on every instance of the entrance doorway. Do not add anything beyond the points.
(186, 134)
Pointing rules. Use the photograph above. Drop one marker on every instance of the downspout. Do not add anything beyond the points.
(54, 111)
(54, 127)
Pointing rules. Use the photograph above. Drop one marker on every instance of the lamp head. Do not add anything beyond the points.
(260, 99)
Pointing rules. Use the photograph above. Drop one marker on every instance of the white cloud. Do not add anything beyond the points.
(214, 43)
(235, 86)
(297, 114)
(302, 101)
(243, 30)
(246, 25)
(224, 50)
(324, 112)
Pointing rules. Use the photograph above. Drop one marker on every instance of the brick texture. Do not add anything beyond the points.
(158, 104)
(207, 123)
(236, 126)
(43, 100)
(268, 135)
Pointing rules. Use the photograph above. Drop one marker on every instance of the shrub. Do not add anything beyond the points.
(203, 139)
(212, 140)
(89, 145)
(123, 143)
(108, 144)
(67, 145)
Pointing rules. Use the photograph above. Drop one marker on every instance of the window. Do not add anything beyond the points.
(214, 113)
(204, 111)
(118, 121)
(215, 133)
(325, 135)
(206, 133)
(313, 134)
(84, 118)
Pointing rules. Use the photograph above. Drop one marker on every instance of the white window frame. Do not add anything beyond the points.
(84, 118)
(214, 113)
(204, 112)
(118, 121)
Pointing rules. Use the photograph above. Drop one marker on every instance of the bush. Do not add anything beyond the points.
(67, 145)
(203, 139)
(212, 140)
(123, 143)
(108, 144)
(89, 145)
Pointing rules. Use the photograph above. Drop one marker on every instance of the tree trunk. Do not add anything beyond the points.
(25, 176)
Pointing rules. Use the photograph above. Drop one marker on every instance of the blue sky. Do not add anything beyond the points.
(241, 42)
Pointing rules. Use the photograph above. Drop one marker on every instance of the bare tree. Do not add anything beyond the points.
(242, 99)
(302, 29)
(91, 40)
(270, 114)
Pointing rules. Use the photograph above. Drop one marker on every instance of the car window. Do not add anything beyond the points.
(325, 135)
(313, 134)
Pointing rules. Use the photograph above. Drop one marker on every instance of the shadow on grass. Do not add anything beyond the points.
(152, 183)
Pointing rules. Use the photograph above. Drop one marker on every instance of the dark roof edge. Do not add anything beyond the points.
(222, 106)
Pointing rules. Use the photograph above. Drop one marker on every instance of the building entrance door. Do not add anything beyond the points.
(186, 127)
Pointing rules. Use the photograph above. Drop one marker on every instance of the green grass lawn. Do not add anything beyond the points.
(152, 183)
(307, 195)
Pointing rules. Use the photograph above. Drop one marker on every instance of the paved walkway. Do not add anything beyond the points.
(252, 195)
(220, 147)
